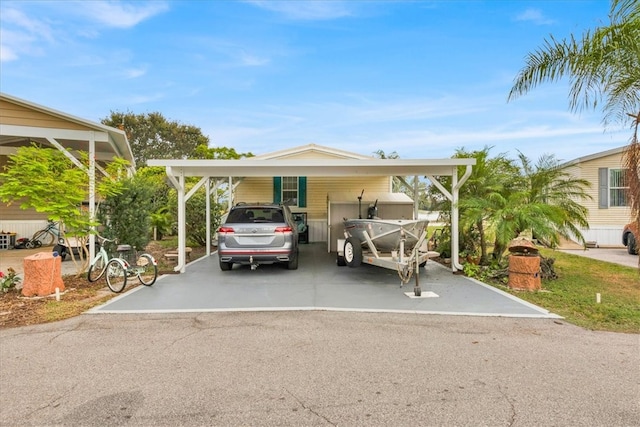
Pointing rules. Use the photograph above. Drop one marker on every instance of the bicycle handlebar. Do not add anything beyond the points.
(104, 239)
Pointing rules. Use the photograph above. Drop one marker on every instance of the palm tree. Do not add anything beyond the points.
(603, 65)
(484, 189)
(543, 199)
(604, 68)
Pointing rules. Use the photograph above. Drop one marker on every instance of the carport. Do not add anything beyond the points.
(23, 123)
(212, 170)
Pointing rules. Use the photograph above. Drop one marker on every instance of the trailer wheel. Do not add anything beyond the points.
(352, 252)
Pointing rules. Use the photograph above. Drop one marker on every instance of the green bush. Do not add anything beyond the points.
(126, 216)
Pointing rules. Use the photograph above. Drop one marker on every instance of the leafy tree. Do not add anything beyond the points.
(152, 136)
(603, 67)
(195, 220)
(46, 180)
(126, 215)
(217, 153)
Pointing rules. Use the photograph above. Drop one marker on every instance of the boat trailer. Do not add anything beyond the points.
(406, 261)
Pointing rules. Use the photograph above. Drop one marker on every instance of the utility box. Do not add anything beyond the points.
(346, 205)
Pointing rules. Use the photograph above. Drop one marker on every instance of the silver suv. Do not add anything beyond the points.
(258, 234)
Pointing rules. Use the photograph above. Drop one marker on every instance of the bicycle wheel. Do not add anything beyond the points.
(147, 269)
(44, 237)
(116, 276)
(96, 269)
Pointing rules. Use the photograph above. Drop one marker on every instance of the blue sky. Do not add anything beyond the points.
(421, 78)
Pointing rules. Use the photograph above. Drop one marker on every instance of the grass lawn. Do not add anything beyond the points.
(573, 294)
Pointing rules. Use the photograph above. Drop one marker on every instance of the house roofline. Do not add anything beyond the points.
(312, 148)
(594, 156)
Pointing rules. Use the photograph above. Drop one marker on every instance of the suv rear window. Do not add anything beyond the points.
(251, 215)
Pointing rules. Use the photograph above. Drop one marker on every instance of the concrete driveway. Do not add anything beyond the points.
(614, 255)
(318, 284)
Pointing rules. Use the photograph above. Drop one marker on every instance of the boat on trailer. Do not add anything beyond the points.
(387, 234)
(396, 244)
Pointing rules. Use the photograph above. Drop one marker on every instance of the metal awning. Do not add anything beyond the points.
(177, 170)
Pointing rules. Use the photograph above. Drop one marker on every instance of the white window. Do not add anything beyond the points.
(618, 187)
(290, 190)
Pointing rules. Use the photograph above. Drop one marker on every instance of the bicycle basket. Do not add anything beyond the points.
(127, 253)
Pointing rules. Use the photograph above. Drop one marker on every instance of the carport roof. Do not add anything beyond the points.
(311, 167)
(22, 122)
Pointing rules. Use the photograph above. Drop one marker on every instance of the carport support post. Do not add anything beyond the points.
(92, 192)
(207, 187)
(182, 228)
(182, 239)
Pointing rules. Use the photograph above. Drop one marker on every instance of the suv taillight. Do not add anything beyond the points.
(284, 229)
(225, 230)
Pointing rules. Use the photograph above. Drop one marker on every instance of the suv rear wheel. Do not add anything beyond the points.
(225, 266)
(293, 262)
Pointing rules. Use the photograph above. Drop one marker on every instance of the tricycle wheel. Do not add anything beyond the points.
(352, 252)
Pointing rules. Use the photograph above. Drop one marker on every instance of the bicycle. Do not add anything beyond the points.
(129, 264)
(98, 265)
(47, 235)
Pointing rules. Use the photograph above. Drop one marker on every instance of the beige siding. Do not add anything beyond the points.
(252, 190)
(605, 225)
(589, 171)
(12, 114)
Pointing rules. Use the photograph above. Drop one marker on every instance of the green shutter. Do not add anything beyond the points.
(302, 191)
(277, 189)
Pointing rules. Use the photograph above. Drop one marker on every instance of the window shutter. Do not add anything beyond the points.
(603, 188)
(277, 189)
(302, 191)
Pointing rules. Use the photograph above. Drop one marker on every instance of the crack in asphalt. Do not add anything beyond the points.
(512, 419)
(309, 409)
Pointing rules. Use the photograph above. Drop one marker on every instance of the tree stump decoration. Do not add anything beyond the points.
(524, 265)
(42, 274)
(524, 272)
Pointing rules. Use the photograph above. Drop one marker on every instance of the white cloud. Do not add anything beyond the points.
(534, 15)
(18, 20)
(133, 73)
(21, 35)
(252, 60)
(120, 14)
(305, 10)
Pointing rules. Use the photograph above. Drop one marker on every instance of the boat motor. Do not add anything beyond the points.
(372, 211)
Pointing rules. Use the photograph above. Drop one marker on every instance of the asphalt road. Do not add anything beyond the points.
(316, 368)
